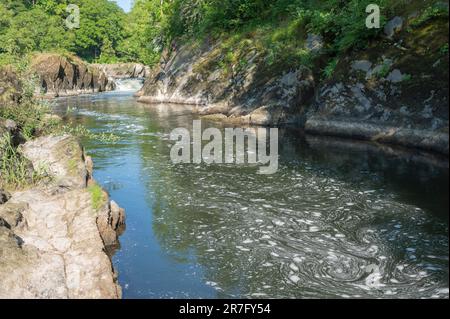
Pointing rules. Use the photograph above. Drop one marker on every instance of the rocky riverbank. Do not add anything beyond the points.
(55, 235)
(394, 91)
(58, 228)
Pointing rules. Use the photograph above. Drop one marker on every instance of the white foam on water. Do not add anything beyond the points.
(129, 85)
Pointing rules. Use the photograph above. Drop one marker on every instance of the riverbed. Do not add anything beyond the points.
(339, 219)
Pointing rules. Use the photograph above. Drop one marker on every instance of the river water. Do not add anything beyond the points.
(339, 220)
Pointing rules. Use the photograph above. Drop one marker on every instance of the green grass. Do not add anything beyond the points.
(14, 169)
(29, 116)
(406, 77)
(98, 198)
(81, 131)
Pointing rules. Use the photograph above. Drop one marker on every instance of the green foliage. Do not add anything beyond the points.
(435, 10)
(143, 32)
(30, 117)
(106, 34)
(81, 131)
(384, 71)
(14, 169)
(406, 77)
(98, 198)
(330, 68)
(39, 25)
(279, 27)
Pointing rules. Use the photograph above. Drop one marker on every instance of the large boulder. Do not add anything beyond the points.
(60, 253)
(55, 237)
(59, 156)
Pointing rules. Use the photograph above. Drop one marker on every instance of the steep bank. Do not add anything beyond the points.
(54, 236)
(395, 90)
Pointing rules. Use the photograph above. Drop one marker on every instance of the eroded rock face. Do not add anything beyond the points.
(397, 97)
(52, 237)
(395, 91)
(244, 94)
(61, 76)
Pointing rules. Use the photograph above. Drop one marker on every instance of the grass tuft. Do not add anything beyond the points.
(98, 197)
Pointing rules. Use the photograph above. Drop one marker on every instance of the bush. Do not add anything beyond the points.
(15, 171)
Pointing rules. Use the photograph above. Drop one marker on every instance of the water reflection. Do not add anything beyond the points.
(339, 219)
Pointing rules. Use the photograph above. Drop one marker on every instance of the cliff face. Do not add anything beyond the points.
(393, 91)
(53, 236)
(195, 75)
(62, 76)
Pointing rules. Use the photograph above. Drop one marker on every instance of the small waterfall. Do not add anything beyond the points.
(129, 85)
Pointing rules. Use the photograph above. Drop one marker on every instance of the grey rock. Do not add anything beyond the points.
(289, 79)
(12, 213)
(361, 65)
(393, 26)
(4, 196)
(364, 103)
(7, 126)
(405, 111)
(395, 76)
(427, 112)
(52, 243)
(314, 42)
(61, 157)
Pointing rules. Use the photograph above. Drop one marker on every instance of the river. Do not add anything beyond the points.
(339, 219)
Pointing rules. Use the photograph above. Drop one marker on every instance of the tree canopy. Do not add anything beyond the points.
(39, 25)
(108, 34)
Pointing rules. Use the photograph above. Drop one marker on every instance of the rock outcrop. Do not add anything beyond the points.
(124, 70)
(54, 237)
(63, 76)
(195, 75)
(395, 91)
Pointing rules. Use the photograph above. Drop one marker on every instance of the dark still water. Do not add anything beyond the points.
(338, 220)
